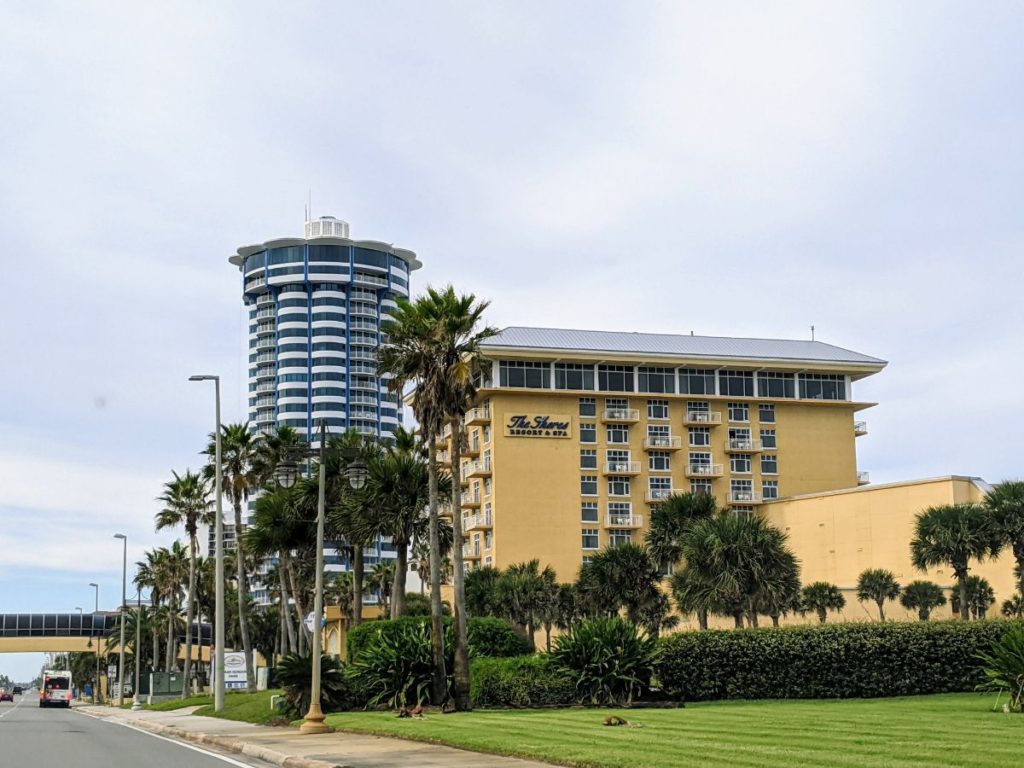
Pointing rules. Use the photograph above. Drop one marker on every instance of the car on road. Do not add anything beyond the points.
(6, 695)
(18, 690)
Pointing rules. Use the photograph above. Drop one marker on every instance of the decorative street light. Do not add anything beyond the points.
(136, 704)
(218, 622)
(92, 631)
(124, 588)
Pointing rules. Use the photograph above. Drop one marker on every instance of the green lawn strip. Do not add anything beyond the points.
(247, 708)
(908, 731)
(172, 704)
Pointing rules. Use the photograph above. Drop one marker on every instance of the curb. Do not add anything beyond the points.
(236, 746)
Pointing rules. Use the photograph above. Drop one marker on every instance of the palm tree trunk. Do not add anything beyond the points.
(155, 633)
(881, 610)
(401, 571)
(460, 630)
(737, 618)
(702, 618)
(243, 608)
(547, 637)
(775, 619)
(357, 584)
(169, 653)
(821, 615)
(187, 682)
(299, 607)
(961, 574)
(436, 624)
(288, 628)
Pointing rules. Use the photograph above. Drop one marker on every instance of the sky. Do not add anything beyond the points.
(727, 168)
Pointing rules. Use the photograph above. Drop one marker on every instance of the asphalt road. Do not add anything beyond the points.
(61, 737)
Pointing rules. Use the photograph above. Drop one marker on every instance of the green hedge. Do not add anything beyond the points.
(487, 636)
(823, 662)
(523, 681)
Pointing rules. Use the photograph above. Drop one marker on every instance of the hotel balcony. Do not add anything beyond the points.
(622, 468)
(266, 372)
(476, 523)
(266, 312)
(702, 418)
(704, 470)
(863, 478)
(264, 329)
(743, 445)
(362, 277)
(470, 448)
(744, 497)
(470, 552)
(265, 342)
(479, 415)
(620, 416)
(266, 357)
(659, 494)
(860, 428)
(624, 521)
(476, 469)
(256, 282)
(470, 499)
(266, 386)
(264, 299)
(444, 458)
(664, 443)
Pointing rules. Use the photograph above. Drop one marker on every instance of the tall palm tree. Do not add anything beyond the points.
(951, 535)
(980, 597)
(620, 577)
(879, 585)
(670, 520)
(521, 591)
(922, 596)
(238, 455)
(382, 581)
(172, 575)
(822, 597)
(186, 501)
(146, 578)
(1005, 502)
(274, 449)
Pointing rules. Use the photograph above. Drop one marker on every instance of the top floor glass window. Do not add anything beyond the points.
(736, 383)
(696, 381)
(574, 376)
(615, 378)
(822, 386)
(657, 379)
(771, 384)
(657, 409)
(522, 373)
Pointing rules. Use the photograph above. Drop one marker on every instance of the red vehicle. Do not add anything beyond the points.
(6, 695)
(56, 690)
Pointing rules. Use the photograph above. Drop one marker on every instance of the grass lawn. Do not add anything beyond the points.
(945, 730)
(246, 707)
(172, 704)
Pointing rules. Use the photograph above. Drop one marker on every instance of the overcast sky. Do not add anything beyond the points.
(728, 168)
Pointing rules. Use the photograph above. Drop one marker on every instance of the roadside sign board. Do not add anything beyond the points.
(234, 670)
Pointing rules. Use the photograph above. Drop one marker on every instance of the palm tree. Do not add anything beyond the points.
(694, 591)
(521, 591)
(480, 591)
(146, 578)
(273, 450)
(172, 577)
(1014, 607)
(620, 577)
(338, 591)
(1005, 502)
(922, 596)
(381, 581)
(670, 520)
(951, 535)
(779, 591)
(879, 585)
(186, 501)
(238, 455)
(822, 597)
(980, 597)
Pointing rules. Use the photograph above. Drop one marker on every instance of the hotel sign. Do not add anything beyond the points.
(529, 425)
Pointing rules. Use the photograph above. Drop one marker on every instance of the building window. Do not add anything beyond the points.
(736, 383)
(766, 413)
(744, 511)
(657, 379)
(590, 538)
(488, 539)
(700, 486)
(588, 559)
(659, 486)
(615, 378)
(769, 464)
(739, 437)
(588, 485)
(588, 458)
(574, 376)
(588, 406)
(768, 438)
(657, 432)
(700, 437)
(742, 490)
(659, 461)
(618, 486)
(696, 381)
(487, 486)
(700, 459)
(619, 536)
(770, 489)
(588, 512)
(487, 434)
(617, 457)
(739, 412)
(522, 373)
(588, 433)
(740, 464)
(657, 409)
(620, 508)
(771, 384)
(617, 433)
(822, 386)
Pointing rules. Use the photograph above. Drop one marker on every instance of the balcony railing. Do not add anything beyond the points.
(477, 468)
(266, 298)
(622, 468)
(255, 282)
(663, 443)
(470, 552)
(704, 470)
(863, 478)
(444, 457)
(362, 277)
(266, 372)
(356, 366)
(362, 310)
(624, 521)
(470, 499)
(266, 386)
(744, 497)
(479, 415)
(262, 314)
(266, 357)
(743, 445)
(706, 418)
(475, 522)
(470, 447)
(264, 328)
(621, 415)
(860, 428)
(655, 495)
(265, 342)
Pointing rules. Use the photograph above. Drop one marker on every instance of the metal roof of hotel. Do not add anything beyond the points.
(566, 340)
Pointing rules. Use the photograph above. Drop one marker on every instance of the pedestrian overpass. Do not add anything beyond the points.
(74, 633)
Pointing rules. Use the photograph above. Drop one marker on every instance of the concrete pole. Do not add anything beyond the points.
(136, 704)
(96, 684)
(124, 599)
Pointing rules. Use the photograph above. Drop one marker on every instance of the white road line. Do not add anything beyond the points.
(20, 702)
(200, 750)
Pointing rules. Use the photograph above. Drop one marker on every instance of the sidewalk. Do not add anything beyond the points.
(287, 748)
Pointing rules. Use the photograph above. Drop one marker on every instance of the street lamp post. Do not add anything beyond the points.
(136, 704)
(218, 622)
(92, 631)
(124, 588)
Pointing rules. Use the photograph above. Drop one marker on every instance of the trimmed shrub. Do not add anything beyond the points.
(829, 661)
(609, 661)
(521, 681)
(487, 636)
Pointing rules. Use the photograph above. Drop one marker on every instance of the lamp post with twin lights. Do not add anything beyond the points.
(124, 589)
(92, 631)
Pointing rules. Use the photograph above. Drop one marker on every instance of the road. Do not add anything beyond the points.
(52, 737)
